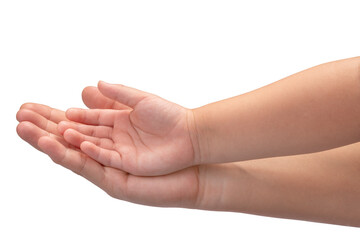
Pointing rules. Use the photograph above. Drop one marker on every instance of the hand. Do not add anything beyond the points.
(148, 136)
(38, 126)
(271, 187)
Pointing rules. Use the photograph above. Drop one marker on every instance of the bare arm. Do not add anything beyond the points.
(320, 187)
(313, 110)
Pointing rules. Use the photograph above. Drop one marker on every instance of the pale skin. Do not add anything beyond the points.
(150, 151)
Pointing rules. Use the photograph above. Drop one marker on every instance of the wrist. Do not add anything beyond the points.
(199, 136)
(194, 120)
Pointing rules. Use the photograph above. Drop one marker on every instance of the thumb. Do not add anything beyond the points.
(123, 94)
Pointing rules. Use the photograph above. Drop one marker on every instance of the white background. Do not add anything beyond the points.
(189, 52)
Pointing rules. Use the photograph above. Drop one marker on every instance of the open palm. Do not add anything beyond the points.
(150, 137)
(38, 126)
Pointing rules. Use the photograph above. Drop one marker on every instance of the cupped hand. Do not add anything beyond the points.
(38, 126)
(147, 136)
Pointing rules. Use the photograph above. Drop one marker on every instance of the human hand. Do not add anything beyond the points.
(38, 126)
(241, 187)
(147, 136)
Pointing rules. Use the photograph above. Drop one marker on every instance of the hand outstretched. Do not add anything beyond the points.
(38, 126)
(150, 137)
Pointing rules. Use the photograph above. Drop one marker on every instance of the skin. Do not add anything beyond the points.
(313, 110)
(151, 137)
(38, 126)
(321, 186)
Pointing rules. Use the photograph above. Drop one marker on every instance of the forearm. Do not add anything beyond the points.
(313, 110)
(320, 187)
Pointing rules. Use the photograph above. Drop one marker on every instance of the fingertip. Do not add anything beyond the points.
(101, 86)
(20, 128)
(23, 128)
(62, 126)
(26, 105)
(86, 92)
(102, 83)
(18, 115)
(71, 136)
(71, 113)
(109, 90)
(67, 133)
(105, 85)
(85, 145)
(21, 114)
(88, 146)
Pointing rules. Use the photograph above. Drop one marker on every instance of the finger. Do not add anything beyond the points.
(89, 130)
(75, 138)
(103, 117)
(106, 157)
(47, 112)
(93, 98)
(125, 95)
(73, 160)
(37, 119)
(31, 133)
